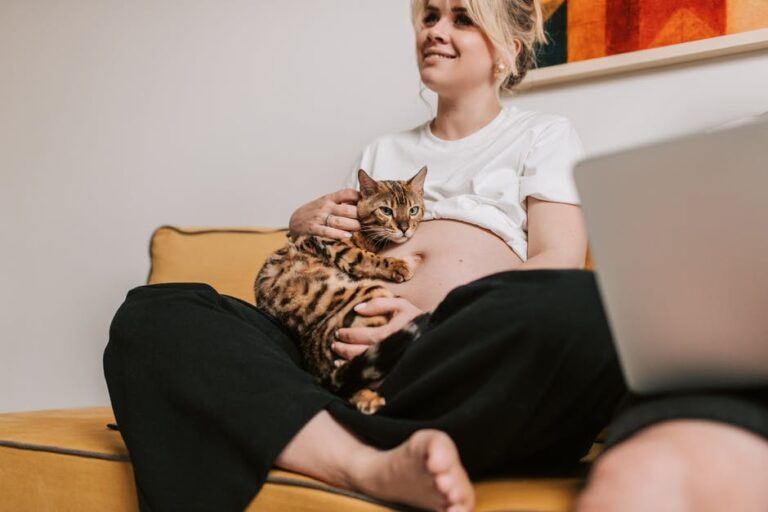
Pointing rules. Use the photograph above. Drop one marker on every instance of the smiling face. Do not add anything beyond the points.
(452, 53)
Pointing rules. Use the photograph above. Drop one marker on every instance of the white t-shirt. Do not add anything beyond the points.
(484, 179)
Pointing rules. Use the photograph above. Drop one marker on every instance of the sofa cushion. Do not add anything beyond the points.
(70, 460)
(227, 259)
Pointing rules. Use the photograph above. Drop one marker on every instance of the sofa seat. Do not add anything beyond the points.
(68, 460)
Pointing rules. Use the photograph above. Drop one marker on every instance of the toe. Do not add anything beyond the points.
(445, 482)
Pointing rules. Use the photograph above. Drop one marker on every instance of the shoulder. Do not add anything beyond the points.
(539, 123)
(396, 139)
(548, 132)
(391, 151)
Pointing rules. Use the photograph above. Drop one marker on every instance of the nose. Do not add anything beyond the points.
(433, 35)
(436, 33)
(403, 226)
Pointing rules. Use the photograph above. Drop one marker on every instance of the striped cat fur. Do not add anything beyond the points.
(312, 284)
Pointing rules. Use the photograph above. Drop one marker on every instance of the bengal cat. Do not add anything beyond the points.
(312, 285)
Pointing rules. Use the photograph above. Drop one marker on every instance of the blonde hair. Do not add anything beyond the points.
(503, 21)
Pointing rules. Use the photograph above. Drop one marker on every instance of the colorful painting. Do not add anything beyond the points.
(584, 30)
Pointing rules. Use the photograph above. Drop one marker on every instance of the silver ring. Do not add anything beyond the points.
(328, 220)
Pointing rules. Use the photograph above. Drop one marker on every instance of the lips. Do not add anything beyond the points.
(438, 54)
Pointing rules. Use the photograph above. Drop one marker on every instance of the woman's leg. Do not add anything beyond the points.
(206, 391)
(424, 471)
(681, 466)
(685, 451)
(518, 368)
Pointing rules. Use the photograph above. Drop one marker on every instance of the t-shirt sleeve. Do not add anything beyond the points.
(548, 168)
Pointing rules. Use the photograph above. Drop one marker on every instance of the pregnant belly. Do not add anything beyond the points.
(445, 254)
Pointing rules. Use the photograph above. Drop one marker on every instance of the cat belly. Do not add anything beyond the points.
(444, 254)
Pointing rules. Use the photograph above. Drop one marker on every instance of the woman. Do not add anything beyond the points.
(513, 369)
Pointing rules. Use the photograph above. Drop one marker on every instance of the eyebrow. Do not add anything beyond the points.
(431, 7)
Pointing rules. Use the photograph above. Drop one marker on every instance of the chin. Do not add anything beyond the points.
(432, 85)
(442, 87)
(432, 78)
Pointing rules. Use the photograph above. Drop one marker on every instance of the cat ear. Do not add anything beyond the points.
(368, 186)
(417, 182)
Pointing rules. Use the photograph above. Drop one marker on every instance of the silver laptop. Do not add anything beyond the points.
(679, 238)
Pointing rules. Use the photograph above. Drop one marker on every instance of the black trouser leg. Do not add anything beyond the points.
(207, 391)
(746, 408)
(519, 368)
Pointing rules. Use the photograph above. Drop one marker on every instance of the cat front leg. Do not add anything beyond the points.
(394, 269)
(362, 264)
(377, 267)
(355, 261)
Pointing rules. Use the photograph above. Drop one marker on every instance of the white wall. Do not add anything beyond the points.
(116, 117)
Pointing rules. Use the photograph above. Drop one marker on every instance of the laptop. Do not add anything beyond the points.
(679, 237)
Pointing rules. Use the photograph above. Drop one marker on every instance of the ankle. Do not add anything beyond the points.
(356, 468)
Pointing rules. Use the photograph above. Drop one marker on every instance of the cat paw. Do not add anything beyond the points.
(399, 270)
(367, 401)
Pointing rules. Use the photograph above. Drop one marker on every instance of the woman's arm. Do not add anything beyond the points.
(557, 237)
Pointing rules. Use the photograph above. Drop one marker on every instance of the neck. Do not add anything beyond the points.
(463, 115)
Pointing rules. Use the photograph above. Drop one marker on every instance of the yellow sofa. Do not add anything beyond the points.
(69, 460)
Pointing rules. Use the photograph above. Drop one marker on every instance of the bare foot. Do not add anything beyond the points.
(425, 471)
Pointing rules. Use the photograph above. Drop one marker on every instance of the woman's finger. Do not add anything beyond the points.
(342, 223)
(345, 195)
(364, 336)
(379, 306)
(348, 350)
(343, 334)
(329, 232)
(344, 210)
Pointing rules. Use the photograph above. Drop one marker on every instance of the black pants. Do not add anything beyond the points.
(518, 368)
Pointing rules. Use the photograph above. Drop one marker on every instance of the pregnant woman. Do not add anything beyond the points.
(515, 367)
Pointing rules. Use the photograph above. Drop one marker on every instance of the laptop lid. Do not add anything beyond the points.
(679, 236)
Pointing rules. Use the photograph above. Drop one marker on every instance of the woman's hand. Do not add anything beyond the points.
(353, 341)
(330, 216)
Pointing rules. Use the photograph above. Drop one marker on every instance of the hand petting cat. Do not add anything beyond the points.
(330, 216)
(353, 341)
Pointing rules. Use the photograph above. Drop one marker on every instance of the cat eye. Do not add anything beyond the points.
(414, 210)
(386, 211)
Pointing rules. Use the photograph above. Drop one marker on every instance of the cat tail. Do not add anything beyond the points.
(375, 363)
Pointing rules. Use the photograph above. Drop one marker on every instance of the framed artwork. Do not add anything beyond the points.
(597, 37)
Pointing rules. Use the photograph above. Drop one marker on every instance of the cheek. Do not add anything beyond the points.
(421, 38)
(475, 52)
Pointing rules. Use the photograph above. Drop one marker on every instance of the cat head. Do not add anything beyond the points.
(389, 210)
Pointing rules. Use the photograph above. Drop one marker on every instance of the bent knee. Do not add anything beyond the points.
(147, 309)
(634, 479)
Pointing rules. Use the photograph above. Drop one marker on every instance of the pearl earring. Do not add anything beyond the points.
(499, 69)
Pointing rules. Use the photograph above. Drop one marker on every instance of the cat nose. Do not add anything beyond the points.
(403, 226)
